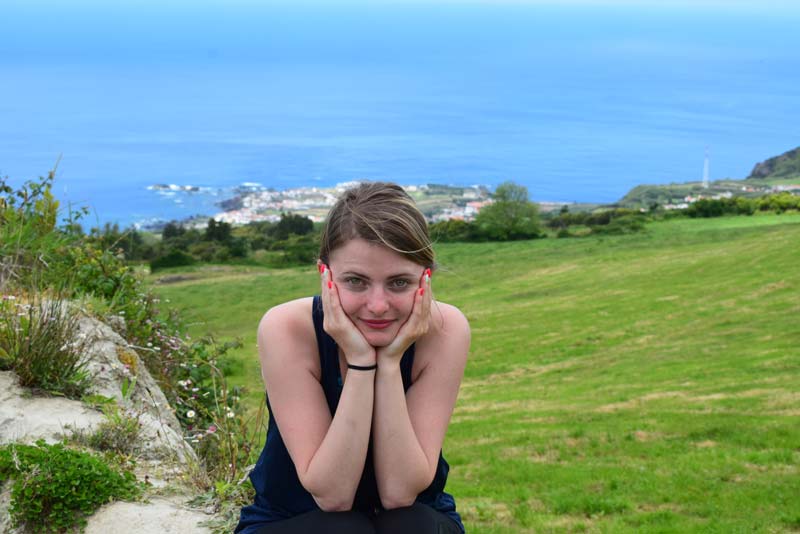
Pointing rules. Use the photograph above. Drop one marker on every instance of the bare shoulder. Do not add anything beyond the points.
(293, 315)
(447, 341)
(448, 321)
(286, 336)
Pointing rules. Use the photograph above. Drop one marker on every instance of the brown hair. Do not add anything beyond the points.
(381, 213)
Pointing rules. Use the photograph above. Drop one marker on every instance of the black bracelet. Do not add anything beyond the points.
(362, 367)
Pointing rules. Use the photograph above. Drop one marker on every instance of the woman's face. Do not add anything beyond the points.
(376, 288)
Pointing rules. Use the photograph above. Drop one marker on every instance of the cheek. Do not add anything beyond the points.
(404, 303)
(351, 301)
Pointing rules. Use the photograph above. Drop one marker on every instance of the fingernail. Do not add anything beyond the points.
(422, 291)
(330, 284)
(428, 273)
(427, 279)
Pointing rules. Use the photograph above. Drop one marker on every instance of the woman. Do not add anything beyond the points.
(361, 382)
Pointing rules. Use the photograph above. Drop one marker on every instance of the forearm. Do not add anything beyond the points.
(402, 470)
(333, 474)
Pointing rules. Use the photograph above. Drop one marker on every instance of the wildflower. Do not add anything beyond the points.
(195, 389)
(211, 429)
(190, 414)
(230, 414)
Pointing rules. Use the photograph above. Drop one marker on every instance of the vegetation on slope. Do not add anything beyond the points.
(786, 165)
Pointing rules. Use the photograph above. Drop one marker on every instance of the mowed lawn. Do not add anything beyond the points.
(645, 383)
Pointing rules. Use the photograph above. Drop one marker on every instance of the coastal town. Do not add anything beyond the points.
(437, 202)
(252, 202)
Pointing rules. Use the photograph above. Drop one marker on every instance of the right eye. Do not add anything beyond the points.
(353, 281)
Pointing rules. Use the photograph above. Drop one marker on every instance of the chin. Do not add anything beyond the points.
(379, 339)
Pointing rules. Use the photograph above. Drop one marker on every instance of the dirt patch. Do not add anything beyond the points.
(634, 403)
(769, 288)
(643, 436)
(174, 279)
(550, 456)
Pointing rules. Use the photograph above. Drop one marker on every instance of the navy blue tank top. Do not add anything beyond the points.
(279, 493)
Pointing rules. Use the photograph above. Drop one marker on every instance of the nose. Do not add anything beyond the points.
(377, 301)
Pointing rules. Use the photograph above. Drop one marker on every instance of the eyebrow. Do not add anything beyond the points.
(364, 276)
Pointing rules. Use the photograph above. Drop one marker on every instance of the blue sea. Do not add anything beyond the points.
(578, 101)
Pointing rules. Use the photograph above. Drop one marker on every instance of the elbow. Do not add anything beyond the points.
(331, 500)
(398, 501)
(397, 498)
(333, 504)
(401, 495)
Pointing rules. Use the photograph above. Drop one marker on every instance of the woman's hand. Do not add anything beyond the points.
(337, 324)
(415, 326)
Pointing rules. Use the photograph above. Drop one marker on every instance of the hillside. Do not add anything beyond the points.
(768, 176)
(787, 165)
(625, 384)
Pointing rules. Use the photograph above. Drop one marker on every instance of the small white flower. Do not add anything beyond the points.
(190, 414)
(231, 415)
(195, 389)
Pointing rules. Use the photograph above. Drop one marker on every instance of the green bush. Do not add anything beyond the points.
(510, 217)
(118, 433)
(173, 258)
(28, 234)
(37, 341)
(54, 488)
(628, 224)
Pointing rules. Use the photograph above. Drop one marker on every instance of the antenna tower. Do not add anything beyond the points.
(705, 171)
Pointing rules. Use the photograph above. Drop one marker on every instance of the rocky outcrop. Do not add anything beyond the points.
(162, 454)
(785, 165)
(111, 361)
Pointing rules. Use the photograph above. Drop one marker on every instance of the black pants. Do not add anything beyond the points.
(415, 519)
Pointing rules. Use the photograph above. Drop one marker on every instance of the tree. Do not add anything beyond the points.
(511, 192)
(217, 231)
(511, 216)
(292, 224)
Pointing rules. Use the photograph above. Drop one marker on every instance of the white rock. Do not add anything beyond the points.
(159, 516)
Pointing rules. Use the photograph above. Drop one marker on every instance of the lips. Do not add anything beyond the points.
(376, 324)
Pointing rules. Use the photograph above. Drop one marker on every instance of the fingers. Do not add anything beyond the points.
(427, 297)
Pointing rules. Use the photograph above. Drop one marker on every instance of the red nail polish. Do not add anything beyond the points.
(428, 272)
(330, 284)
(422, 291)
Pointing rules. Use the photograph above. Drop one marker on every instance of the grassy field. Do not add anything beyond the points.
(645, 383)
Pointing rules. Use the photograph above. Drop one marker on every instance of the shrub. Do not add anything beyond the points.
(627, 224)
(54, 488)
(37, 341)
(28, 234)
(173, 258)
(451, 230)
(118, 433)
(510, 217)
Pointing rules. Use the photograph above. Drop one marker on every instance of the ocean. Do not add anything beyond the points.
(578, 102)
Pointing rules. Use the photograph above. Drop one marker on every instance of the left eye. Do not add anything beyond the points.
(400, 283)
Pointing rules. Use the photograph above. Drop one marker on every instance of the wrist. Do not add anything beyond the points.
(388, 363)
(366, 359)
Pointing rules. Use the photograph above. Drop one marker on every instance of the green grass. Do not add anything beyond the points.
(644, 383)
